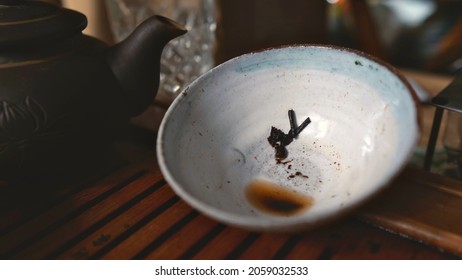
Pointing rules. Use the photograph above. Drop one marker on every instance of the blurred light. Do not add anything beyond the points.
(412, 12)
(332, 1)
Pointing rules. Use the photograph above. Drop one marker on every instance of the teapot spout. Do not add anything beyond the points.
(135, 61)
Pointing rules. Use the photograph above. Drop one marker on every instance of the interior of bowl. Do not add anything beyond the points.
(213, 143)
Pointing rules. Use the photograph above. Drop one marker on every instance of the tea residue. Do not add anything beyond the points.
(277, 200)
(279, 140)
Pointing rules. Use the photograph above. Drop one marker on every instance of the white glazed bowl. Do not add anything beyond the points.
(212, 143)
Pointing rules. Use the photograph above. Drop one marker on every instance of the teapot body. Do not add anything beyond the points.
(63, 93)
(56, 104)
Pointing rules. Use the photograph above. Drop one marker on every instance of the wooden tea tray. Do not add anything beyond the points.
(422, 206)
(124, 209)
(120, 207)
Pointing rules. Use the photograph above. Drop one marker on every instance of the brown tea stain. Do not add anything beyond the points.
(277, 200)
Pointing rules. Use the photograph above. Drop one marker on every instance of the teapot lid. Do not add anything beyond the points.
(24, 22)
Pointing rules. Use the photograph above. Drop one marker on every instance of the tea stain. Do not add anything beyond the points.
(275, 199)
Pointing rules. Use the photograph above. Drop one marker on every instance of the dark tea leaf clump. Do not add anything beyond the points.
(279, 140)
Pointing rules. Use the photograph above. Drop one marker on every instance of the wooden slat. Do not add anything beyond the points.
(349, 237)
(70, 206)
(108, 235)
(423, 206)
(20, 203)
(60, 232)
(148, 234)
(201, 243)
(220, 246)
(243, 245)
(184, 239)
(167, 234)
(265, 247)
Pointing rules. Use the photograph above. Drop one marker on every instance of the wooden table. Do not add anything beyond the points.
(120, 207)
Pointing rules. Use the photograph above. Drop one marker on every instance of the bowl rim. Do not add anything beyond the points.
(366, 55)
(285, 223)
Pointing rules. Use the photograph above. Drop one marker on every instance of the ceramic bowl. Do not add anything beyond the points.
(213, 146)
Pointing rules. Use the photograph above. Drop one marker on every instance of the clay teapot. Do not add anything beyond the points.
(61, 91)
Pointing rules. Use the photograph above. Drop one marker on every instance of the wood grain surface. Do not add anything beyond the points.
(130, 212)
(120, 207)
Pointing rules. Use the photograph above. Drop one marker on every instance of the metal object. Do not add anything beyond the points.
(450, 98)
